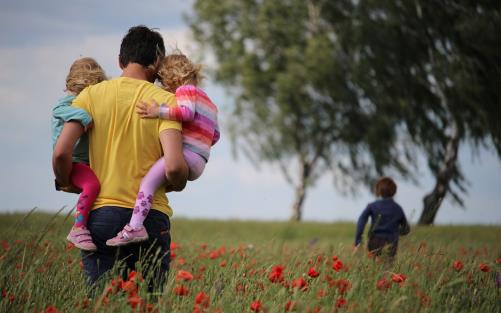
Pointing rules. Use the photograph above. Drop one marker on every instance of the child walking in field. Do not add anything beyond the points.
(387, 220)
(200, 132)
(83, 72)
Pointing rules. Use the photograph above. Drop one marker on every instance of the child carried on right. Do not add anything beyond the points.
(200, 132)
(388, 221)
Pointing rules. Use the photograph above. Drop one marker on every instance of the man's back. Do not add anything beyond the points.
(122, 146)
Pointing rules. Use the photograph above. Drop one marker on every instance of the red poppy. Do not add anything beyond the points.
(484, 267)
(202, 299)
(398, 278)
(321, 293)
(340, 302)
(181, 290)
(383, 284)
(300, 283)
(334, 258)
(223, 263)
(129, 286)
(134, 300)
(343, 285)
(276, 274)
(312, 272)
(181, 261)
(290, 305)
(498, 261)
(337, 265)
(458, 265)
(173, 246)
(256, 306)
(184, 275)
(51, 309)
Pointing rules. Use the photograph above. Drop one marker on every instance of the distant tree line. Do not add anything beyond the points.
(358, 89)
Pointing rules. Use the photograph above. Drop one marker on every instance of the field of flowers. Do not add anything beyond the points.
(234, 266)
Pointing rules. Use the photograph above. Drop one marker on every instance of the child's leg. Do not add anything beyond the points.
(134, 231)
(196, 163)
(84, 178)
(150, 183)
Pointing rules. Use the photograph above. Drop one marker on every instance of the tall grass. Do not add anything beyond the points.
(225, 266)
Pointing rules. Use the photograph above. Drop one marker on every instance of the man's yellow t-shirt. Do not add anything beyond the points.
(122, 146)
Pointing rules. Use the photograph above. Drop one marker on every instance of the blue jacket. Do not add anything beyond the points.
(387, 221)
(64, 112)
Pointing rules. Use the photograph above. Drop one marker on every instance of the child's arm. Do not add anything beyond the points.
(183, 112)
(68, 113)
(404, 228)
(362, 220)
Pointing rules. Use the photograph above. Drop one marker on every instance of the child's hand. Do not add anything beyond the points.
(146, 110)
(355, 248)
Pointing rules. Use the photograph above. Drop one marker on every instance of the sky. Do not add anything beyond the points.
(40, 39)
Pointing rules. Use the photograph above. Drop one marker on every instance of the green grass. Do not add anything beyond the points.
(39, 272)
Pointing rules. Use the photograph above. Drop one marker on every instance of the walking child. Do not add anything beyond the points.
(83, 72)
(388, 220)
(200, 132)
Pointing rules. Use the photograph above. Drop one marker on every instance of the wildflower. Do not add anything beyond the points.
(256, 306)
(202, 299)
(223, 263)
(51, 309)
(181, 261)
(398, 278)
(129, 286)
(134, 300)
(337, 265)
(458, 265)
(383, 284)
(276, 274)
(312, 272)
(181, 290)
(69, 246)
(343, 285)
(5, 245)
(300, 283)
(484, 267)
(184, 275)
(203, 246)
(340, 302)
(334, 258)
(290, 305)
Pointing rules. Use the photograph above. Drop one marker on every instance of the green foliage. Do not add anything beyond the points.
(231, 262)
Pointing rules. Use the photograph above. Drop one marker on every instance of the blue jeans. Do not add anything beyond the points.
(104, 223)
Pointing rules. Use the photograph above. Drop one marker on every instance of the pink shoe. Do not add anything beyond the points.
(81, 238)
(128, 235)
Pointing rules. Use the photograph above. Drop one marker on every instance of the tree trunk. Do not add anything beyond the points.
(297, 206)
(433, 200)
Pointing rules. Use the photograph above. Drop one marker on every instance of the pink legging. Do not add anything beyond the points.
(84, 178)
(155, 178)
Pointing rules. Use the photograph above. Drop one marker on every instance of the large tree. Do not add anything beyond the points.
(436, 65)
(295, 102)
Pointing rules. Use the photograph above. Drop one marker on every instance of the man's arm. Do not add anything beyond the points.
(63, 151)
(176, 170)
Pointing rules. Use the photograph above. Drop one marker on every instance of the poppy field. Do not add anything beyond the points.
(244, 266)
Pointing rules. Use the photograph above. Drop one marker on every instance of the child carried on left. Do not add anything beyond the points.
(83, 73)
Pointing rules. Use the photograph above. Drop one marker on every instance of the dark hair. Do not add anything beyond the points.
(141, 45)
(385, 187)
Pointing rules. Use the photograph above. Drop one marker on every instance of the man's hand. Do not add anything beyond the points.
(148, 110)
(70, 188)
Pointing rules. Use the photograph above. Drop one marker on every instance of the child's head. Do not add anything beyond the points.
(83, 72)
(177, 70)
(385, 187)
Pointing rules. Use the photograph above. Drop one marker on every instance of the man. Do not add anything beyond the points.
(122, 149)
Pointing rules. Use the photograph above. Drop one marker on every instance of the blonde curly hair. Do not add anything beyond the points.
(177, 70)
(84, 72)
